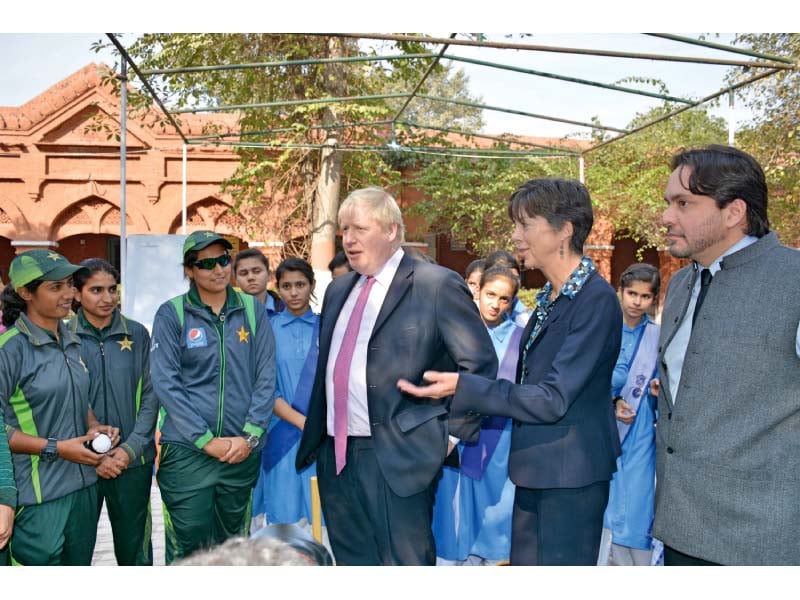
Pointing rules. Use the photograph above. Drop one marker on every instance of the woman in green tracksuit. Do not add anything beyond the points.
(213, 369)
(116, 350)
(44, 397)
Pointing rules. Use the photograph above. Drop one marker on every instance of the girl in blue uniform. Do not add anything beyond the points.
(472, 514)
(285, 495)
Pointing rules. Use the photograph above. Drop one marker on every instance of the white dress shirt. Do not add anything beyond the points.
(357, 412)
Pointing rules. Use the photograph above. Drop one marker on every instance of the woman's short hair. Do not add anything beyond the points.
(380, 205)
(558, 201)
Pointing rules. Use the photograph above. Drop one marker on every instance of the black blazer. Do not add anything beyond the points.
(428, 321)
(564, 433)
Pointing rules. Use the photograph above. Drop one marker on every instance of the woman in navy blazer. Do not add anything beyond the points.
(563, 443)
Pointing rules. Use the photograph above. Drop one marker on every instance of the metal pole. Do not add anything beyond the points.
(582, 169)
(183, 192)
(123, 123)
(510, 46)
(684, 108)
(731, 120)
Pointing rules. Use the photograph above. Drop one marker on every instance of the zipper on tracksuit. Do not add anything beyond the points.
(221, 342)
(76, 410)
(105, 381)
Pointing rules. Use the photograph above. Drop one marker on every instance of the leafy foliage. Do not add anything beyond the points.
(627, 178)
(468, 198)
(773, 136)
(276, 187)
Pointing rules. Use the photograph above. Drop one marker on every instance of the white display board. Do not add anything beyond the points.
(153, 275)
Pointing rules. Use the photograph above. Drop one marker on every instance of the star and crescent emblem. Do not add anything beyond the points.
(126, 344)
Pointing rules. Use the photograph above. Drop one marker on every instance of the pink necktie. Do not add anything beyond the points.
(341, 375)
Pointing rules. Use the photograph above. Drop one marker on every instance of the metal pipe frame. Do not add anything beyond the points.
(724, 47)
(145, 83)
(455, 151)
(286, 63)
(423, 79)
(774, 65)
(280, 103)
(558, 49)
(485, 136)
(615, 88)
(221, 136)
(722, 92)
(523, 113)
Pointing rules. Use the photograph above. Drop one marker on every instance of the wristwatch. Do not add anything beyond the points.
(49, 453)
(252, 440)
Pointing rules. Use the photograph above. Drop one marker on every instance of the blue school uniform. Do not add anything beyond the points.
(282, 493)
(631, 501)
(473, 516)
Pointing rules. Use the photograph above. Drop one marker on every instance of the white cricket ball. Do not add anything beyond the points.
(102, 443)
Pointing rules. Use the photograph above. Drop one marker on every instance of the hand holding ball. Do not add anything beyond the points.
(101, 444)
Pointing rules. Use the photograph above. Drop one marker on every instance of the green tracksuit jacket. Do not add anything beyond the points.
(44, 392)
(214, 375)
(121, 394)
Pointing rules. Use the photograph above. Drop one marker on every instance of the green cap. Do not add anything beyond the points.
(40, 264)
(197, 240)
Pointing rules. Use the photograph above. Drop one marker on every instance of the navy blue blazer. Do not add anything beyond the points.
(428, 321)
(564, 433)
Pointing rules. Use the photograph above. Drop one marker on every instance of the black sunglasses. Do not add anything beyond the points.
(208, 264)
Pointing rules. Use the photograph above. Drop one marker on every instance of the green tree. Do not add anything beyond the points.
(442, 83)
(293, 185)
(467, 198)
(627, 178)
(773, 135)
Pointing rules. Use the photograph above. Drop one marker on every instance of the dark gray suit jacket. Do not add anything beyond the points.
(428, 321)
(728, 446)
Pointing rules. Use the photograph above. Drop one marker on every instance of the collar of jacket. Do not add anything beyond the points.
(232, 301)
(751, 252)
(80, 324)
(39, 336)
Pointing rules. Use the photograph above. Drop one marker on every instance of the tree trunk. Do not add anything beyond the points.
(326, 205)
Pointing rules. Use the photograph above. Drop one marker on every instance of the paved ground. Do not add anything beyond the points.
(104, 549)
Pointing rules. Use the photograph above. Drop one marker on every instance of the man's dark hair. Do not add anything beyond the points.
(725, 174)
(249, 253)
(557, 201)
(644, 272)
(340, 260)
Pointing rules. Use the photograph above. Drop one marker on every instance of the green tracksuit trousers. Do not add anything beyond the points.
(205, 501)
(57, 532)
(127, 500)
